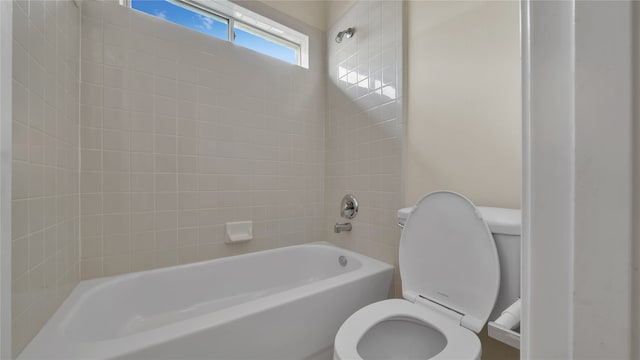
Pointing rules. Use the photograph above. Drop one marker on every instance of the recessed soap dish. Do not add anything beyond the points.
(239, 231)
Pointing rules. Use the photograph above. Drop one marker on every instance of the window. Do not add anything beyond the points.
(225, 20)
(201, 21)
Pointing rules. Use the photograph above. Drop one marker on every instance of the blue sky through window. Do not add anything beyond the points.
(265, 46)
(181, 16)
(213, 26)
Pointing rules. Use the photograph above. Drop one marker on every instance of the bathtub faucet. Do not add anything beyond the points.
(342, 227)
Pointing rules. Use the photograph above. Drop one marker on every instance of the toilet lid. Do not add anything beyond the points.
(447, 255)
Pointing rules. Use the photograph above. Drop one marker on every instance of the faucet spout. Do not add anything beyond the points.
(342, 227)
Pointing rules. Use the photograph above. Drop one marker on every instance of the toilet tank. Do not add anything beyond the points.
(505, 226)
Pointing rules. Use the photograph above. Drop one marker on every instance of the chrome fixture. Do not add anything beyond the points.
(349, 207)
(342, 227)
(342, 260)
(348, 33)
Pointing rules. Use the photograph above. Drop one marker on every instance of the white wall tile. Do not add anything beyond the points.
(46, 160)
(167, 132)
(364, 128)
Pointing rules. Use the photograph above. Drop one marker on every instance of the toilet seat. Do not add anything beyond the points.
(461, 343)
(450, 278)
(447, 254)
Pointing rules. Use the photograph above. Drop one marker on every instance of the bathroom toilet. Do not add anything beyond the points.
(450, 273)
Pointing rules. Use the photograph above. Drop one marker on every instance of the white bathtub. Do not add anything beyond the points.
(285, 303)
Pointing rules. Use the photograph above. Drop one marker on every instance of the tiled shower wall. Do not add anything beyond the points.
(364, 128)
(181, 133)
(45, 247)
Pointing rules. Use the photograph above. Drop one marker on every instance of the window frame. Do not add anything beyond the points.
(266, 35)
(246, 20)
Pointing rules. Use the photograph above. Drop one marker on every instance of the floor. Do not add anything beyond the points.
(326, 354)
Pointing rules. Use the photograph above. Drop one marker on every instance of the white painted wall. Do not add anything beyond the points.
(311, 12)
(577, 184)
(321, 14)
(463, 100)
(335, 10)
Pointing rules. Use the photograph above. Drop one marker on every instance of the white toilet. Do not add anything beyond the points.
(450, 273)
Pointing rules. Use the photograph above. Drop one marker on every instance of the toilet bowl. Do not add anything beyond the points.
(450, 279)
(397, 329)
